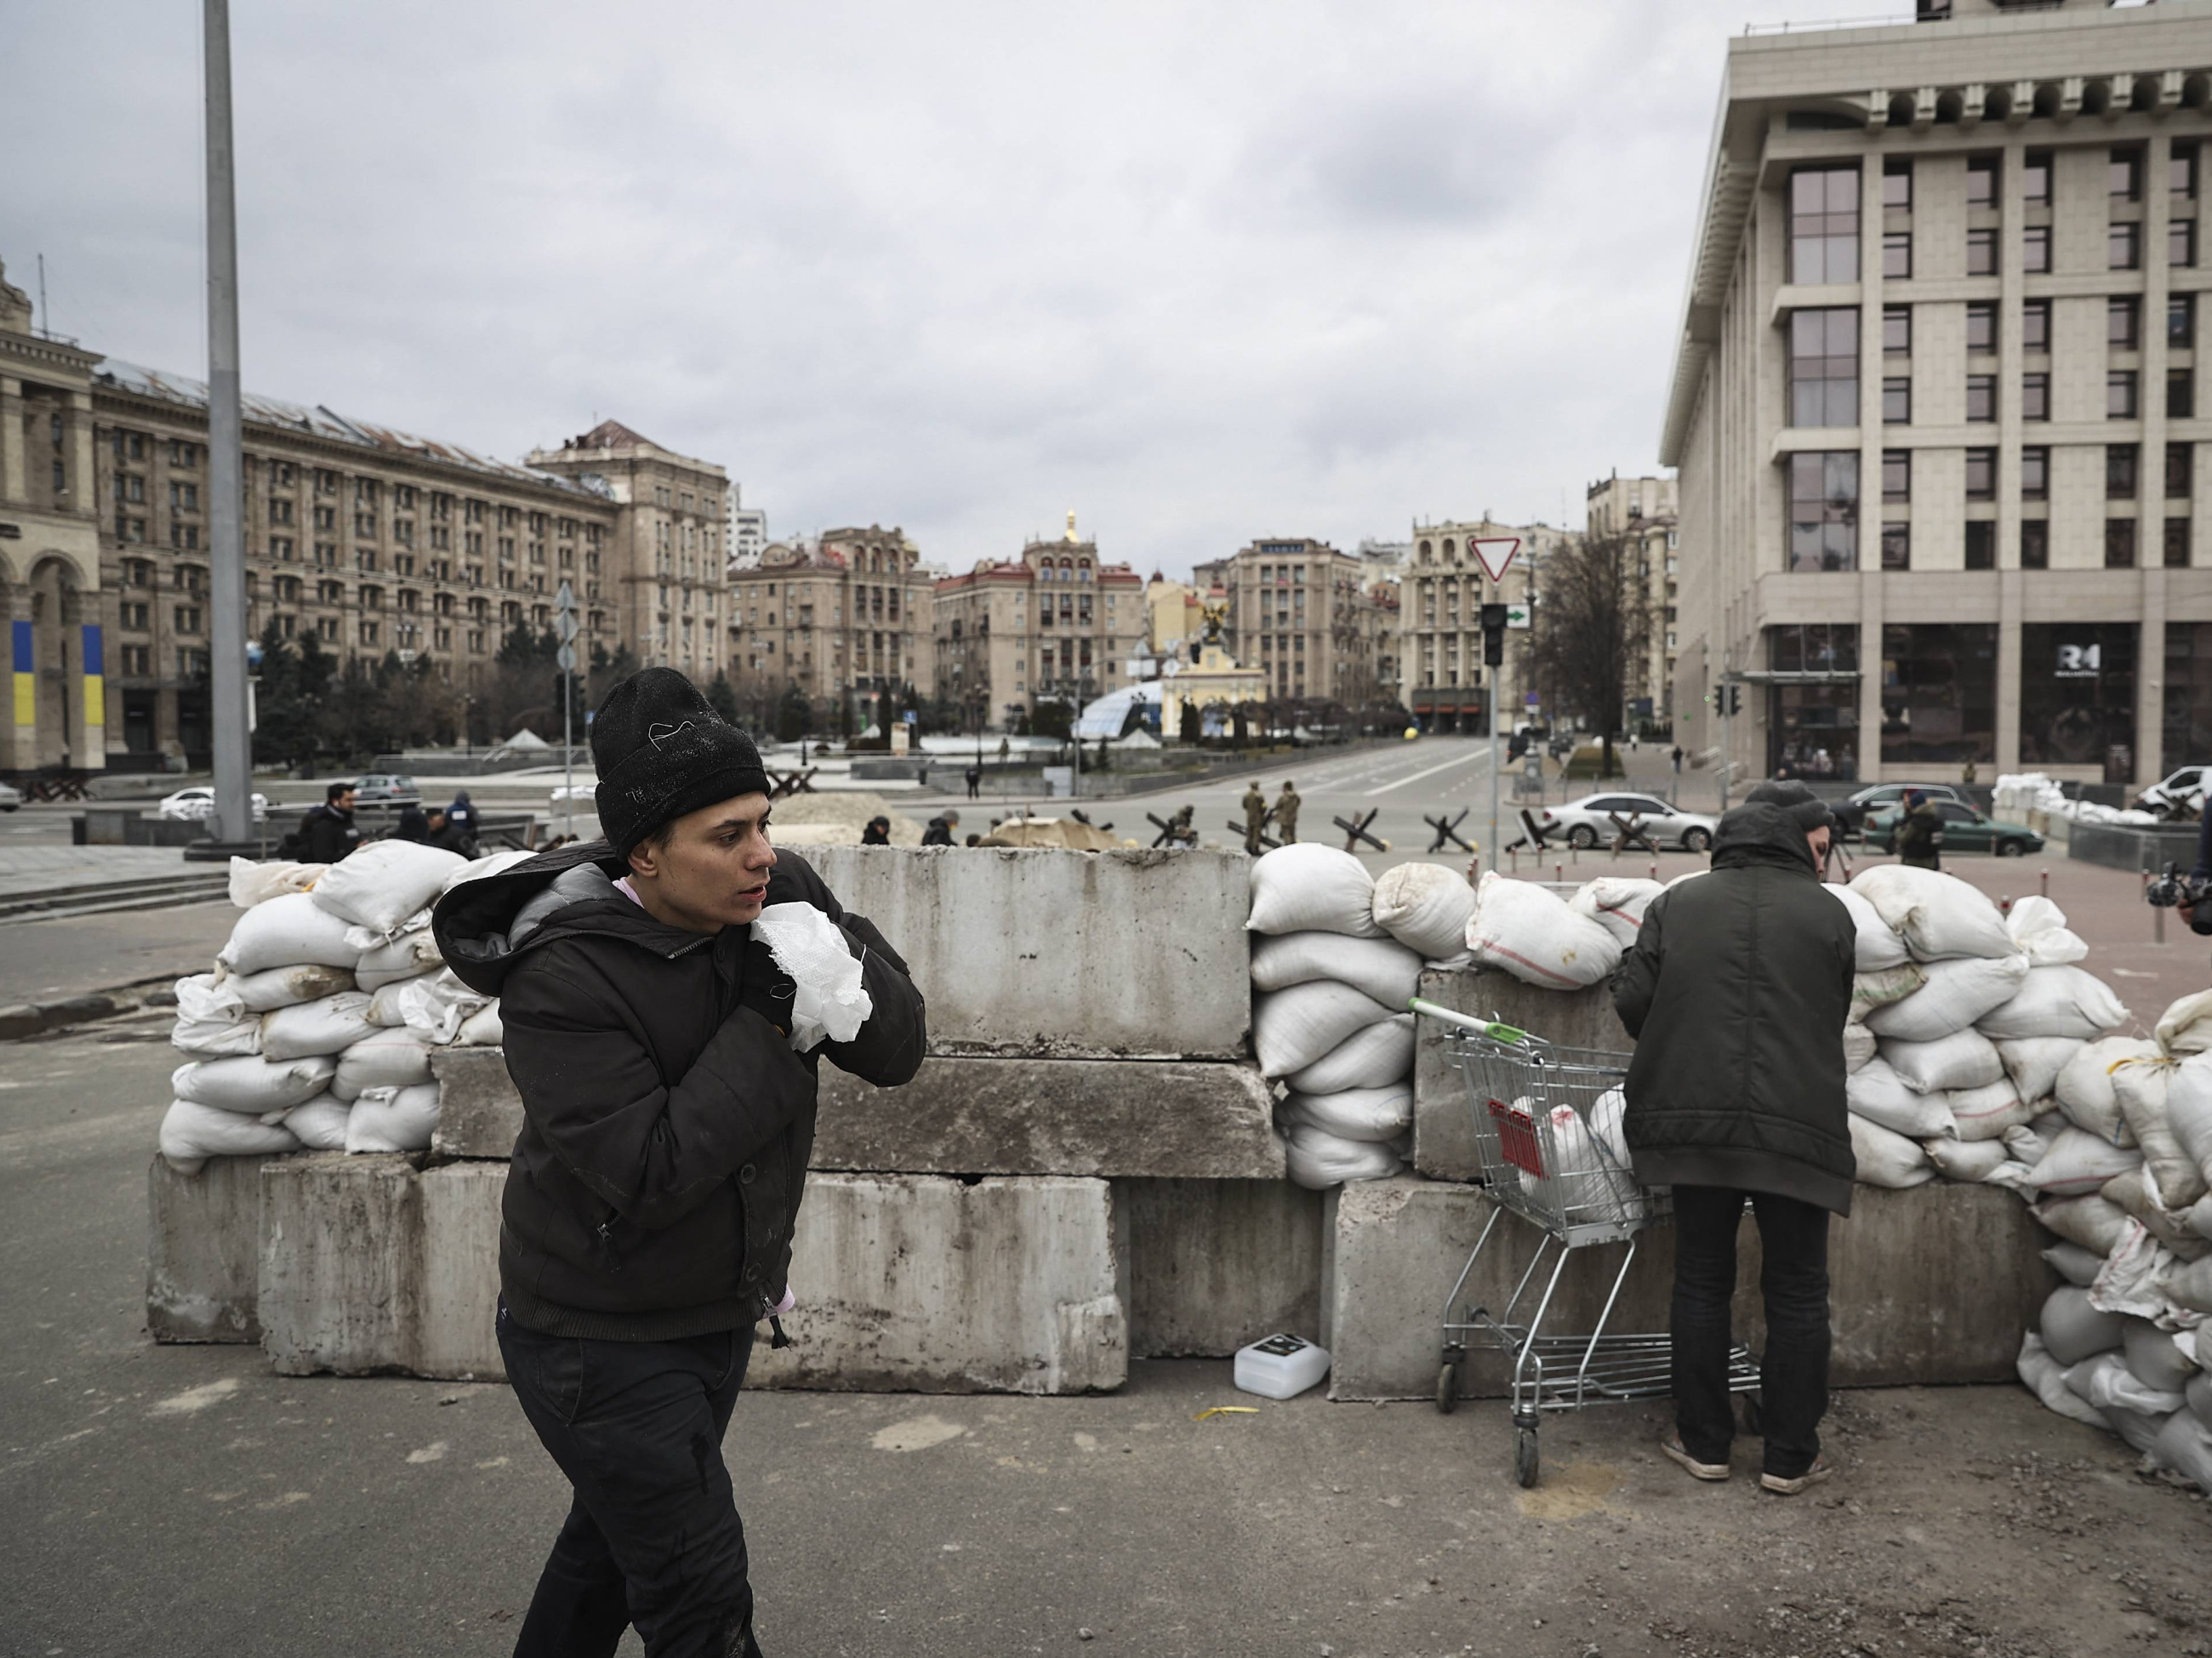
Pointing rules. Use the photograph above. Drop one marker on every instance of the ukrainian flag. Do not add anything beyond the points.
(26, 701)
(95, 681)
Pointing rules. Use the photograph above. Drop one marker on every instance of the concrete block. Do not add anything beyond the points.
(455, 1301)
(204, 1251)
(479, 1112)
(1115, 954)
(341, 1259)
(913, 1283)
(1444, 1130)
(1215, 1264)
(960, 1116)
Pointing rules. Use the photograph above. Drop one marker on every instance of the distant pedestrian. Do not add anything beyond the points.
(447, 836)
(1918, 836)
(328, 833)
(878, 833)
(1286, 814)
(975, 783)
(1255, 817)
(1676, 756)
(940, 832)
(412, 824)
(1967, 774)
(463, 817)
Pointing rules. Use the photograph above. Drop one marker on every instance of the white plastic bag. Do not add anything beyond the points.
(1382, 969)
(251, 1086)
(2084, 1089)
(2185, 1027)
(382, 882)
(831, 1003)
(1989, 1112)
(1581, 1176)
(286, 931)
(2079, 1162)
(1318, 1160)
(407, 956)
(393, 1119)
(321, 1123)
(1291, 1028)
(251, 884)
(1529, 932)
(2038, 927)
(2058, 1001)
(1307, 887)
(1879, 946)
(482, 1028)
(2140, 1089)
(1878, 1094)
(1375, 1057)
(1965, 1059)
(1887, 1158)
(2046, 1379)
(1424, 907)
(1958, 991)
(2034, 1062)
(328, 1025)
(1358, 1113)
(1939, 916)
(286, 987)
(192, 1132)
(1617, 903)
(386, 1059)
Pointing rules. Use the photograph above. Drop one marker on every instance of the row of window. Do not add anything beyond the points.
(2122, 399)
(1981, 548)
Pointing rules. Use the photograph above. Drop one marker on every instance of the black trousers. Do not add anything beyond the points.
(1792, 1375)
(653, 1537)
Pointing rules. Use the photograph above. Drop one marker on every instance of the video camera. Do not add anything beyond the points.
(2171, 889)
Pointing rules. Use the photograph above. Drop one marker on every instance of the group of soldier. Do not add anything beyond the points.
(1259, 815)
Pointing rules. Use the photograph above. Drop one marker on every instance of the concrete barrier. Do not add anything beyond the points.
(1134, 954)
(1215, 1264)
(1931, 1286)
(1443, 1131)
(341, 1263)
(204, 1251)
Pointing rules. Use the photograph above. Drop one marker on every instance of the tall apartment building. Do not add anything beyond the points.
(842, 618)
(1934, 405)
(1644, 510)
(1300, 611)
(1441, 596)
(1056, 624)
(747, 530)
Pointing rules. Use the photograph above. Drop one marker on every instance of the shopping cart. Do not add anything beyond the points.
(1548, 1127)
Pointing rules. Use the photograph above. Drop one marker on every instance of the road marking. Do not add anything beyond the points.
(1462, 760)
(195, 1399)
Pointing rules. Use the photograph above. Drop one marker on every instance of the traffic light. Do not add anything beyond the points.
(1493, 635)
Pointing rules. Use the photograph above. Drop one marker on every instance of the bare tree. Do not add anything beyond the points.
(1592, 626)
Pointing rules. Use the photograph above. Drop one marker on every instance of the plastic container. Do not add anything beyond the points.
(1280, 1367)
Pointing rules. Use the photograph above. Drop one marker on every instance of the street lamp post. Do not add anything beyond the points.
(229, 735)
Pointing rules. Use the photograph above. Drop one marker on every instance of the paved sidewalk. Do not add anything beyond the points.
(38, 868)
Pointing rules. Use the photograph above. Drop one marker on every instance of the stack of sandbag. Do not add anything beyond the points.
(1329, 1009)
(315, 1028)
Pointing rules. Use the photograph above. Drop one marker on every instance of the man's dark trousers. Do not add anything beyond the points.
(653, 1537)
(1793, 1376)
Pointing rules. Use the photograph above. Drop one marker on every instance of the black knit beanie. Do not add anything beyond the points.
(661, 751)
(1807, 808)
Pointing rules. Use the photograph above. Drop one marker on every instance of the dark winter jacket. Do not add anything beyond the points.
(413, 825)
(668, 1122)
(1919, 837)
(327, 834)
(1737, 992)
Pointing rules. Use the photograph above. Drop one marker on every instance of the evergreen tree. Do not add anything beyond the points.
(722, 697)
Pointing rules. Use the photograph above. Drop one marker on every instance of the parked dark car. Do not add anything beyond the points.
(1851, 815)
(1965, 829)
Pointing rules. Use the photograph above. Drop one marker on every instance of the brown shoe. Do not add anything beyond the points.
(1822, 1469)
(1670, 1447)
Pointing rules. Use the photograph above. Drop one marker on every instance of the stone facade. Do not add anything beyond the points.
(1301, 612)
(842, 618)
(1645, 510)
(1441, 596)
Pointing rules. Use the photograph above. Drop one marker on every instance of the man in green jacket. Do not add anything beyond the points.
(1919, 837)
(1737, 992)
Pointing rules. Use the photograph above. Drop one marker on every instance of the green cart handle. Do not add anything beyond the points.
(1496, 1033)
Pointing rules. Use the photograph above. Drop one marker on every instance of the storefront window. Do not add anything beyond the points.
(1939, 693)
(2077, 696)
(1813, 727)
(2187, 733)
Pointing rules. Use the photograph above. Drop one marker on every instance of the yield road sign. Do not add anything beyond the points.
(1495, 553)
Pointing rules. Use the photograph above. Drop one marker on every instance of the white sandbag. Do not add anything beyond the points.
(1988, 1113)
(2153, 1358)
(2046, 1379)
(1291, 1028)
(1358, 1113)
(407, 956)
(216, 1039)
(1318, 1160)
(1381, 969)
(2184, 1445)
(2039, 932)
(321, 1123)
(2106, 1381)
(2034, 1062)
(366, 938)
(1608, 1121)
(1887, 1159)
(1582, 1178)
(1878, 1094)
(2199, 1219)
(1958, 991)
(2084, 1089)
(203, 998)
(497, 863)
(2028, 1143)
(1529, 932)
(286, 987)
(2185, 1027)
(251, 1086)
(393, 1119)
(2139, 1087)
(251, 884)
(328, 1025)
(2188, 1110)
(1939, 916)
(2058, 1001)
(1424, 907)
(1309, 888)
(830, 1003)
(2130, 1189)
(1617, 903)
(1373, 1057)
(384, 1058)
(287, 931)
(482, 1028)
(2094, 1221)
(2078, 1162)
(382, 882)
(1965, 1059)
(2188, 1283)
(192, 1132)
(1859, 1049)
(385, 1010)
(2077, 1265)
(2073, 1330)
(1871, 990)
(1973, 1161)
(2199, 1390)
(1879, 946)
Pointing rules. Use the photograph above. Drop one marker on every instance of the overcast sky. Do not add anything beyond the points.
(1201, 271)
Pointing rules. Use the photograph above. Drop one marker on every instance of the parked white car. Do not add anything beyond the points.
(378, 788)
(1589, 822)
(199, 802)
(2184, 788)
(10, 796)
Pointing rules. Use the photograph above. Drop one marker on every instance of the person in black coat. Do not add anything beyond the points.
(940, 829)
(878, 832)
(328, 833)
(668, 1122)
(412, 824)
(1737, 992)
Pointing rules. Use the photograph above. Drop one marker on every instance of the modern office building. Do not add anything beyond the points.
(1933, 408)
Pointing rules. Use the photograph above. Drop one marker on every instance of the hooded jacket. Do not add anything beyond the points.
(1737, 992)
(667, 1124)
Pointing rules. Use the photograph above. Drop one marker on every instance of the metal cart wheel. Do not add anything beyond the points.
(1447, 1388)
(1524, 1457)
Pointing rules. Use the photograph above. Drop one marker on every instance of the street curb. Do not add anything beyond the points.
(27, 1019)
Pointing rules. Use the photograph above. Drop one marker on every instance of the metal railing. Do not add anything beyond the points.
(1890, 20)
